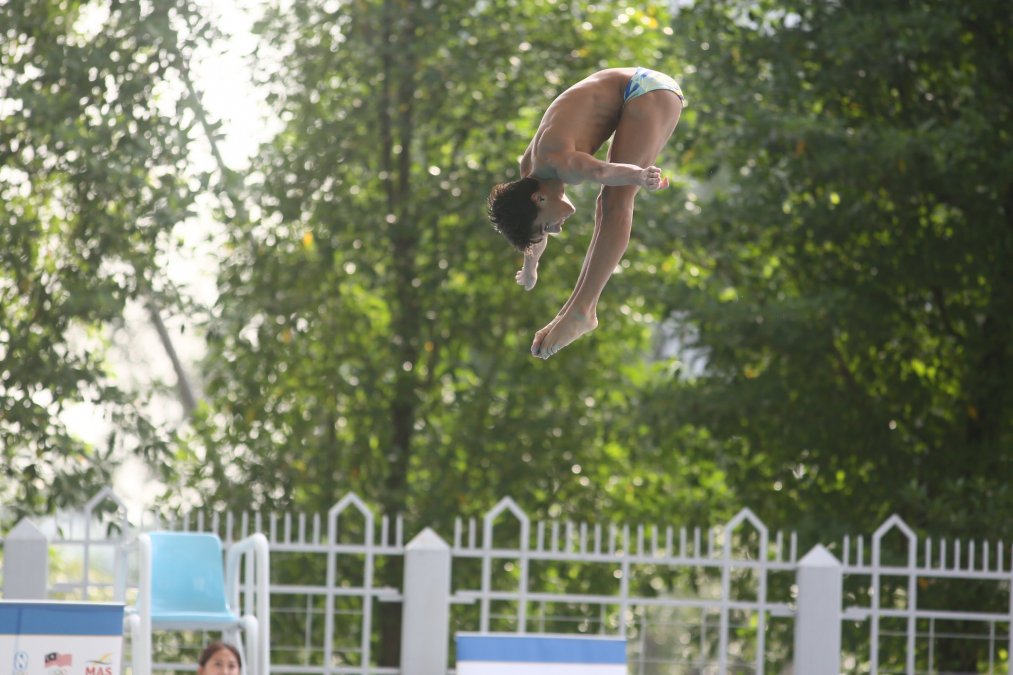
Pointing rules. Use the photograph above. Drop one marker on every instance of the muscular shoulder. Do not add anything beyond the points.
(545, 149)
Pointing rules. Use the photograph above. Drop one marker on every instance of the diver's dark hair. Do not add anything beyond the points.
(215, 647)
(513, 213)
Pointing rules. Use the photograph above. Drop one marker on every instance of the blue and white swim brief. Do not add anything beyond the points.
(645, 80)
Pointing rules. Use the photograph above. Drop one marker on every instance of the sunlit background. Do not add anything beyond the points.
(223, 74)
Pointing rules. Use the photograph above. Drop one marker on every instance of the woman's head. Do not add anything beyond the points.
(219, 658)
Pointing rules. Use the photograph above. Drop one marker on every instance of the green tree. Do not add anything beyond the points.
(847, 277)
(93, 179)
(369, 335)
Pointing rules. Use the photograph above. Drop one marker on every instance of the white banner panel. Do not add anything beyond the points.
(60, 638)
(513, 654)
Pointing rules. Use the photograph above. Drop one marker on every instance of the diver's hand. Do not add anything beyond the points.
(652, 179)
(527, 277)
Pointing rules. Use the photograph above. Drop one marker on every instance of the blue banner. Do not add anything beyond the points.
(541, 649)
(58, 618)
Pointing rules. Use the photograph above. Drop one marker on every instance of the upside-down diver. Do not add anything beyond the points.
(639, 108)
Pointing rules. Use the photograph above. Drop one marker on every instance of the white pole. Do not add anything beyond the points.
(425, 618)
(818, 619)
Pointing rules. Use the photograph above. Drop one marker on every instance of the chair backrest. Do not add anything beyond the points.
(186, 573)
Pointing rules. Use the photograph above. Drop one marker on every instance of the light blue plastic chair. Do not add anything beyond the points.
(183, 586)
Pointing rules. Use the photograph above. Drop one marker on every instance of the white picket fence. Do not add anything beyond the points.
(729, 599)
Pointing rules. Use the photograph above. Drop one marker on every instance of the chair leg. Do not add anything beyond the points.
(251, 629)
(234, 637)
(132, 627)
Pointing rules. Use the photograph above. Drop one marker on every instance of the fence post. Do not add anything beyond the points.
(26, 563)
(425, 614)
(818, 619)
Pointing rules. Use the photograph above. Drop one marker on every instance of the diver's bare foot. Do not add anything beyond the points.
(527, 278)
(540, 335)
(562, 331)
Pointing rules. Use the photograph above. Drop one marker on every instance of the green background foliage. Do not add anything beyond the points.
(94, 178)
(814, 321)
(854, 292)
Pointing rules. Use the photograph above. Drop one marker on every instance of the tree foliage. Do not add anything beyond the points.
(93, 179)
(370, 336)
(852, 286)
(816, 323)
(849, 281)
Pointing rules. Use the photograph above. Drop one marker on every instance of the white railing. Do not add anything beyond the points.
(987, 563)
(734, 598)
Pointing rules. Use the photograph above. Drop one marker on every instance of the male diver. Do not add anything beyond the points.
(639, 109)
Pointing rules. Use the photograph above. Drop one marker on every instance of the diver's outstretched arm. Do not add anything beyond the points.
(527, 276)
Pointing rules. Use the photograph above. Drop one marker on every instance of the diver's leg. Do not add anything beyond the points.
(646, 124)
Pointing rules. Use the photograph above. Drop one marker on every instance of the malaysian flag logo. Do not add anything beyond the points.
(57, 660)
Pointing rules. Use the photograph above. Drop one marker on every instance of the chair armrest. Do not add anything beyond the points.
(256, 552)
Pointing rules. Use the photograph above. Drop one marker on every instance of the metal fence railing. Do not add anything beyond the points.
(730, 599)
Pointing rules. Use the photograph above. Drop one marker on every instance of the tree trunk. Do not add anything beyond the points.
(398, 58)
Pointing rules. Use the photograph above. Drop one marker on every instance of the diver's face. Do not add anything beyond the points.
(552, 212)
